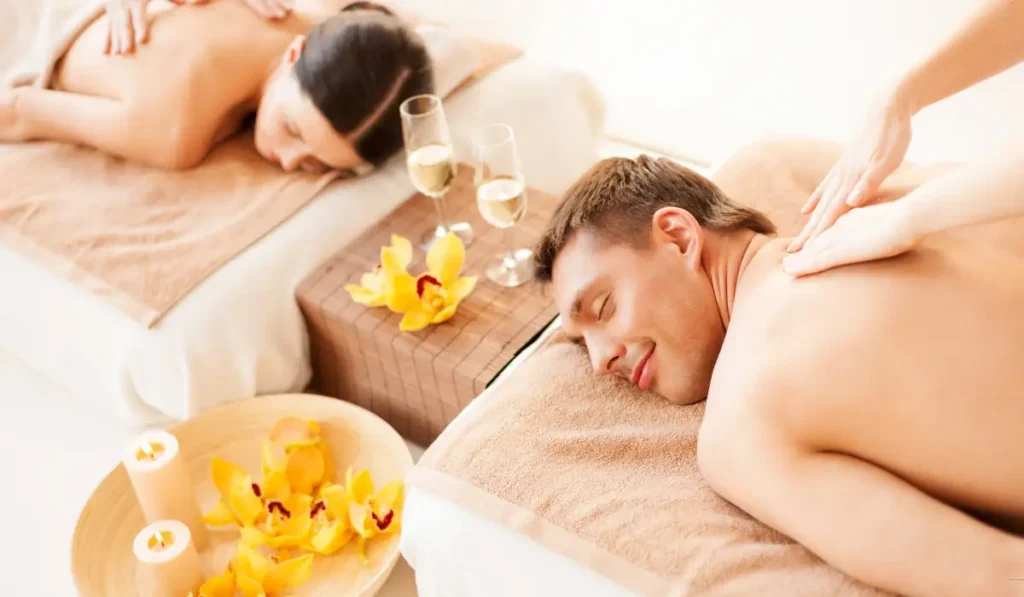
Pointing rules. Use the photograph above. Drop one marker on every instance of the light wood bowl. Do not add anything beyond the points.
(101, 552)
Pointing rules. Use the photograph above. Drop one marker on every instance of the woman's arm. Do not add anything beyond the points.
(976, 193)
(991, 42)
(113, 126)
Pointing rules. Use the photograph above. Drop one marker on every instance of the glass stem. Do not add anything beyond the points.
(442, 219)
(510, 248)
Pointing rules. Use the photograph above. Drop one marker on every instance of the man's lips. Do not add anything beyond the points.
(642, 371)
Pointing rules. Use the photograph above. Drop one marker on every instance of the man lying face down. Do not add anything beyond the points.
(863, 412)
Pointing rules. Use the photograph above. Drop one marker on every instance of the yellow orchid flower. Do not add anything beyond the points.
(386, 508)
(290, 521)
(219, 586)
(432, 297)
(240, 501)
(256, 576)
(373, 286)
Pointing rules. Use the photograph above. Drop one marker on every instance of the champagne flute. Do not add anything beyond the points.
(429, 159)
(501, 199)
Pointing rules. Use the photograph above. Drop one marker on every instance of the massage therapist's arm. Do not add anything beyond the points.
(856, 516)
(976, 193)
(990, 42)
(112, 126)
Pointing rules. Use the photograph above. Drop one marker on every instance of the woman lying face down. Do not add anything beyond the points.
(324, 96)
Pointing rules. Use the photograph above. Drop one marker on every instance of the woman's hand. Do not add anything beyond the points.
(128, 21)
(864, 234)
(861, 169)
(271, 9)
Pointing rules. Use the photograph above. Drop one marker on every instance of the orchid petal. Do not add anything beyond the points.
(305, 469)
(220, 516)
(365, 296)
(248, 563)
(402, 249)
(289, 573)
(359, 487)
(415, 320)
(253, 537)
(444, 314)
(219, 586)
(401, 294)
(226, 475)
(461, 288)
(336, 500)
(275, 486)
(445, 258)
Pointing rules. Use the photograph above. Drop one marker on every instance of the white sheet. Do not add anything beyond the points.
(457, 553)
(240, 333)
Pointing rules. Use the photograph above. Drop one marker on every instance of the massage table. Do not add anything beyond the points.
(240, 332)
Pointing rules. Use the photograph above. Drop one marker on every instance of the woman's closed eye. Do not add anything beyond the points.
(605, 309)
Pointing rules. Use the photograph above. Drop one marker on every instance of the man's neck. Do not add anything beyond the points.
(725, 256)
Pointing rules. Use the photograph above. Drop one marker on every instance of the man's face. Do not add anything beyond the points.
(647, 315)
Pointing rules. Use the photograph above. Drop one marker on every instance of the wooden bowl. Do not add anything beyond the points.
(101, 554)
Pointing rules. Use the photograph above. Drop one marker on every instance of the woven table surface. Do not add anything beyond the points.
(420, 381)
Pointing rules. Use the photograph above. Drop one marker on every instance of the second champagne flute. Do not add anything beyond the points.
(501, 199)
(429, 158)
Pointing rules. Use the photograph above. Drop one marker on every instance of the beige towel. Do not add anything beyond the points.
(608, 476)
(140, 238)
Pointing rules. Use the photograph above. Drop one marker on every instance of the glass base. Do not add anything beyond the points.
(510, 269)
(461, 229)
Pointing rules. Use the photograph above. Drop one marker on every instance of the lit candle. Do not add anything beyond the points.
(158, 475)
(168, 564)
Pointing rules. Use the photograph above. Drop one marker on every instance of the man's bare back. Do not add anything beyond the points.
(913, 364)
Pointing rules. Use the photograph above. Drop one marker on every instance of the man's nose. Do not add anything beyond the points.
(605, 354)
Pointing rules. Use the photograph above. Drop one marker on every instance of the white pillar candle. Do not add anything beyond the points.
(167, 564)
(158, 474)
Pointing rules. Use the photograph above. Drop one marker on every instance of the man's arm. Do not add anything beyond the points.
(856, 516)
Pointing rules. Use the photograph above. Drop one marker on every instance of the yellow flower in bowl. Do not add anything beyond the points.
(432, 297)
(373, 287)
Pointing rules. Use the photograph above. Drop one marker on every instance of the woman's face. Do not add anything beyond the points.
(291, 131)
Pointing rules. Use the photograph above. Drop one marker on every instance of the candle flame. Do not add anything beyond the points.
(161, 540)
(149, 451)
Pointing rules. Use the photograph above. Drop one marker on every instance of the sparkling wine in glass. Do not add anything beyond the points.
(501, 199)
(430, 161)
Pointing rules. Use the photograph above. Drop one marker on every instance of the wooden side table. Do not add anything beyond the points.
(419, 382)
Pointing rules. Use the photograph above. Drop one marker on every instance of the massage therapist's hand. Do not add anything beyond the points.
(863, 234)
(862, 167)
(128, 21)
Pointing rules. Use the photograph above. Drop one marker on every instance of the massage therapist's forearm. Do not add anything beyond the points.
(975, 193)
(991, 42)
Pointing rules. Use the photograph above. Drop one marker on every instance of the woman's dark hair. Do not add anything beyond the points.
(357, 68)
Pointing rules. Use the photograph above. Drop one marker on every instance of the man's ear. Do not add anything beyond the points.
(291, 55)
(677, 226)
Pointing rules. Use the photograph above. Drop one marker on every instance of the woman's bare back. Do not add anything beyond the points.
(197, 73)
